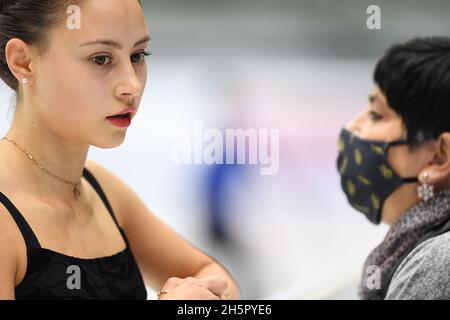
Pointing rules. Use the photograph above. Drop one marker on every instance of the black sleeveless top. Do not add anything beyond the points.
(53, 275)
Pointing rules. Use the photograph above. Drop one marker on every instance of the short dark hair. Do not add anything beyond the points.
(415, 78)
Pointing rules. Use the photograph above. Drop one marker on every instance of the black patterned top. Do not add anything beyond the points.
(53, 275)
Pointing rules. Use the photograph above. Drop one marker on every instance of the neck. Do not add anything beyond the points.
(61, 157)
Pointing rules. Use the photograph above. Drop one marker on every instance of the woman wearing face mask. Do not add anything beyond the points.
(69, 228)
(394, 161)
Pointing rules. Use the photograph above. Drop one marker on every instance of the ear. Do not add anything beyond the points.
(438, 169)
(18, 57)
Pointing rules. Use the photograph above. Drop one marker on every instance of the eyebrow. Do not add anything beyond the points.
(113, 43)
(372, 98)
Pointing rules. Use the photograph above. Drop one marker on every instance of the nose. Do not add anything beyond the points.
(130, 86)
(354, 126)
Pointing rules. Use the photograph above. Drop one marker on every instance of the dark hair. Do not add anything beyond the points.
(415, 78)
(28, 20)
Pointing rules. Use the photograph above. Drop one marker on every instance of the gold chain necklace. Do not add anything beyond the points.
(76, 190)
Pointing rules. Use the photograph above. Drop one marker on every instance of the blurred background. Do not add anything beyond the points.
(301, 66)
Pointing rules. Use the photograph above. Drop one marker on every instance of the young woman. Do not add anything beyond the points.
(394, 163)
(69, 227)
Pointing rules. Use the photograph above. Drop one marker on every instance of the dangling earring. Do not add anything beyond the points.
(425, 191)
(24, 80)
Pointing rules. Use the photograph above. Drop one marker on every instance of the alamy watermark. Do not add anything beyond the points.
(74, 19)
(74, 280)
(373, 281)
(373, 21)
(235, 146)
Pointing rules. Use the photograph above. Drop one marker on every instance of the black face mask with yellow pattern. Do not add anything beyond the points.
(367, 178)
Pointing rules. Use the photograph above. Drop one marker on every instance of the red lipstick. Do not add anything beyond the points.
(123, 118)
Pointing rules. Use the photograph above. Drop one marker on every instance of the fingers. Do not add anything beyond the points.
(216, 285)
(172, 283)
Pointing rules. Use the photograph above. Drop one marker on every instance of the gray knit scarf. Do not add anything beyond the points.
(404, 234)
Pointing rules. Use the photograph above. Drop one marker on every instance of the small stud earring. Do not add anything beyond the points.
(24, 80)
(425, 191)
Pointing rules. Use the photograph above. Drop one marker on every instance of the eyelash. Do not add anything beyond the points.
(375, 117)
(142, 54)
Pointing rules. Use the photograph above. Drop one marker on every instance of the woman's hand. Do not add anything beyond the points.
(210, 288)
